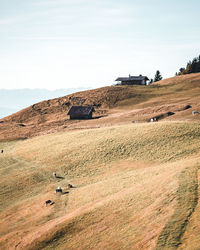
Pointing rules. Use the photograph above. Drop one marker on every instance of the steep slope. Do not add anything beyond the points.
(13, 100)
(52, 114)
(171, 99)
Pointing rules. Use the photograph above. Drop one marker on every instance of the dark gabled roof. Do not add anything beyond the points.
(132, 78)
(80, 110)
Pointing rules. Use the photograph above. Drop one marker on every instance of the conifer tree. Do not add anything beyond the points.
(157, 76)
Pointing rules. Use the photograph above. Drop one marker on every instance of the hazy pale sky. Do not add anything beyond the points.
(89, 43)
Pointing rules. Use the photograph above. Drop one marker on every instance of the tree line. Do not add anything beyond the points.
(191, 67)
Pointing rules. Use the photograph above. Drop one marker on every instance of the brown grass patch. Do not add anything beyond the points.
(125, 178)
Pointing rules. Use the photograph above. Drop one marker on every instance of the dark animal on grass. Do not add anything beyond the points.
(70, 186)
(58, 190)
(2, 151)
(48, 202)
(58, 177)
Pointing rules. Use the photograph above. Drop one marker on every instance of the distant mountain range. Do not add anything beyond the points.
(14, 100)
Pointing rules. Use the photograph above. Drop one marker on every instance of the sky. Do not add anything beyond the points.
(56, 44)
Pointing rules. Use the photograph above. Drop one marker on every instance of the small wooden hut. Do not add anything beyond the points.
(133, 80)
(80, 112)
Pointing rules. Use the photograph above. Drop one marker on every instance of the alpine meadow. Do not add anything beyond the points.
(134, 183)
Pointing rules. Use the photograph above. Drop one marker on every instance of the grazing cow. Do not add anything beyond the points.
(70, 186)
(195, 112)
(54, 174)
(151, 120)
(48, 202)
(2, 151)
(58, 190)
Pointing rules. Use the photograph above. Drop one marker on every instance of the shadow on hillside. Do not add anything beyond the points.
(66, 192)
(87, 119)
(59, 177)
(100, 116)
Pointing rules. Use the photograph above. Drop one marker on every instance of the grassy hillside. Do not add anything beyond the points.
(171, 99)
(135, 184)
(135, 187)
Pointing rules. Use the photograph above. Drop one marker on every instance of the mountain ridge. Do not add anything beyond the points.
(13, 100)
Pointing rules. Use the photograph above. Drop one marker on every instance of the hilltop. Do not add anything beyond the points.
(13, 100)
(135, 185)
(176, 96)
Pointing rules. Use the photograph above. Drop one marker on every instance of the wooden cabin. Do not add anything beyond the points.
(80, 112)
(133, 80)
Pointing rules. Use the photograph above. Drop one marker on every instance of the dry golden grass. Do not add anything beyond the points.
(127, 186)
(114, 105)
(135, 184)
(191, 239)
(187, 198)
(77, 152)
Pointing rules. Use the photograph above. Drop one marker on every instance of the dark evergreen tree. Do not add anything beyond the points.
(157, 76)
(181, 70)
(198, 64)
